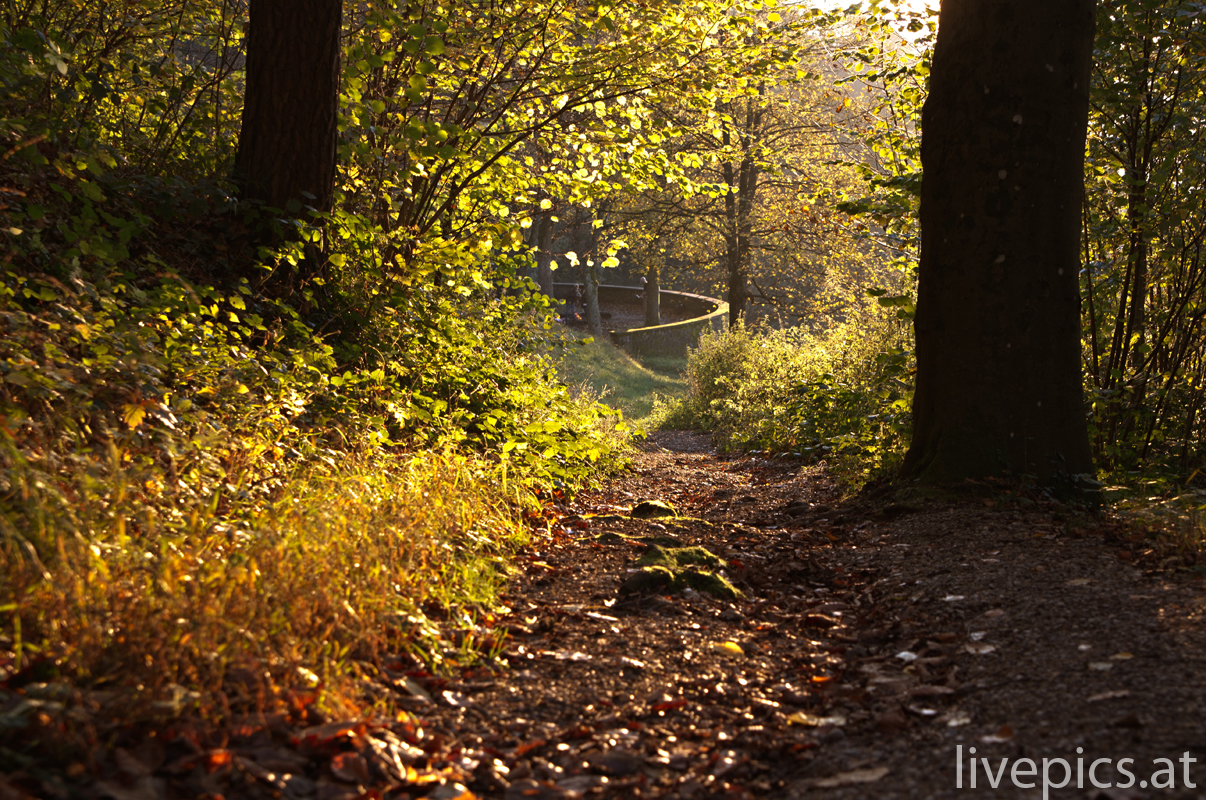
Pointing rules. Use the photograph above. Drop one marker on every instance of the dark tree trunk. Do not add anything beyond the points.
(544, 254)
(287, 146)
(739, 208)
(998, 334)
(587, 237)
(590, 282)
(653, 297)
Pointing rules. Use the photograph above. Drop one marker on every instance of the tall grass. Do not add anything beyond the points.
(340, 570)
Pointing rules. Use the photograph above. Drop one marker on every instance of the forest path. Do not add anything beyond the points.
(877, 639)
(874, 642)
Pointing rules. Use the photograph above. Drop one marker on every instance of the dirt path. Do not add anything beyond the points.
(876, 640)
(874, 643)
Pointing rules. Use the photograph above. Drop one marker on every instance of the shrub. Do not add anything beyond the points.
(842, 394)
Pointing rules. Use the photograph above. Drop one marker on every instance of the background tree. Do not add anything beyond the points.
(769, 163)
(997, 324)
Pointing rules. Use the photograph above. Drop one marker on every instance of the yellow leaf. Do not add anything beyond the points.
(729, 649)
(133, 415)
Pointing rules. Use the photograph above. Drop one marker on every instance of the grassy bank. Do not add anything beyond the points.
(633, 386)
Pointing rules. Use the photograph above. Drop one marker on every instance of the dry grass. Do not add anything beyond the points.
(342, 570)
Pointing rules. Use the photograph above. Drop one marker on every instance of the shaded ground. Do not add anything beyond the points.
(876, 636)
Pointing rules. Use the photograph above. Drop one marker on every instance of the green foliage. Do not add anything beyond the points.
(1144, 337)
(842, 395)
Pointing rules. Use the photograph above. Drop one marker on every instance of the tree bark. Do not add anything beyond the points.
(653, 297)
(998, 309)
(287, 146)
(544, 254)
(739, 206)
(590, 282)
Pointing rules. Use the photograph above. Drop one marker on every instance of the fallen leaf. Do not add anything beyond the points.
(528, 747)
(454, 699)
(1114, 695)
(321, 734)
(893, 719)
(1080, 582)
(615, 762)
(450, 791)
(929, 690)
(729, 649)
(129, 764)
(1003, 734)
(955, 719)
(566, 655)
(602, 617)
(905, 655)
(1101, 666)
(979, 648)
(1123, 656)
(350, 767)
(868, 775)
(814, 721)
(582, 783)
(950, 598)
(216, 759)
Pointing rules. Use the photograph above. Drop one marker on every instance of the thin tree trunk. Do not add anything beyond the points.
(544, 255)
(653, 297)
(590, 283)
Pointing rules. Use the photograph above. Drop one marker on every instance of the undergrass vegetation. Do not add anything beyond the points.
(193, 488)
(214, 496)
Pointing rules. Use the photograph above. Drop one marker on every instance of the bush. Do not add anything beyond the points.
(843, 394)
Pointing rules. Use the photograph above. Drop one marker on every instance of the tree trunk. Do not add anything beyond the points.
(544, 254)
(998, 334)
(739, 207)
(653, 298)
(287, 146)
(590, 282)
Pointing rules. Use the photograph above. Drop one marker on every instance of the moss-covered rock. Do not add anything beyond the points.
(662, 539)
(611, 537)
(659, 578)
(672, 569)
(653, 509)
(708, 582)
(649, 579)
(673, 557)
